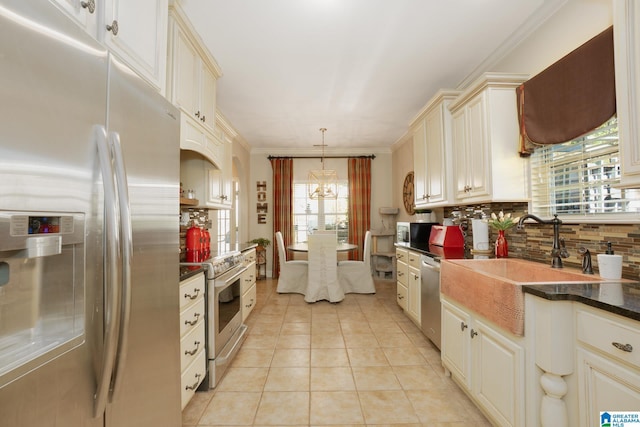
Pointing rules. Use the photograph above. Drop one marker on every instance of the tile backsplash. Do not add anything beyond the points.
(201, 216)
(535, 241)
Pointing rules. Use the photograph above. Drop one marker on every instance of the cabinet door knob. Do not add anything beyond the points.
(473, 333)
(197, 113)
(463, 326)
(113, 27)
(89, 5)
(624, 347)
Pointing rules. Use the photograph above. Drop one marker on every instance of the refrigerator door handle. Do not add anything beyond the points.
(112, 261)
(126, 247)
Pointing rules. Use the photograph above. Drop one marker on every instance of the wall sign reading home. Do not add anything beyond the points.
(262, 207)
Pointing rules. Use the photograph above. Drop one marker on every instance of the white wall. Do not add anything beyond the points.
(575, 23)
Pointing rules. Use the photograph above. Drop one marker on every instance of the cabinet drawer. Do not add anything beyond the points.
(249, 256)
(402, 255)
(249, 301)
(191, 290)
(191, 344)
(612, 336)
(402, 272)
(248, 278)
(401, 295)
(414, 260)
(191, 317)
(192, 377)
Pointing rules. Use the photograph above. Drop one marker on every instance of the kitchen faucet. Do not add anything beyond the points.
(558, 251)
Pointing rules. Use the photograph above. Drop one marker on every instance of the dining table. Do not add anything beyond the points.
(304, 247)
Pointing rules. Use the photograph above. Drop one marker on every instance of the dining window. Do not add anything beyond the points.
(310, 215)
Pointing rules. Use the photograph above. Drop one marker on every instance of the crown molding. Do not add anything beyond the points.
(544, 12)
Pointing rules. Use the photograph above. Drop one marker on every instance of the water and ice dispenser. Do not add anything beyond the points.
(42, 288)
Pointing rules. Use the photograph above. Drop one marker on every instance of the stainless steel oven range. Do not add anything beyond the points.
(224, 328)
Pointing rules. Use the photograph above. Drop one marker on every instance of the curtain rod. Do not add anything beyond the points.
(370, 156)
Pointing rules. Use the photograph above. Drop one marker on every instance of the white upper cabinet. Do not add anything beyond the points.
(485, 134)
(432, 154)
(82, 12)
(626, 36)
(136, 31)
(193, 72)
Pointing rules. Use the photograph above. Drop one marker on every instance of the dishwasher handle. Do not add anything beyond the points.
(430, 262)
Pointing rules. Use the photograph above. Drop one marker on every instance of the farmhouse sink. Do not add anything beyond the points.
(525, 272)
(493, 287)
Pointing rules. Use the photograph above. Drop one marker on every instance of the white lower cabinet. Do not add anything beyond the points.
(248, 291)
(402, 276)
(608, 364)
(248, 288)
(605, 386)
(193, 361)
(408, 283)
(488, 363)
(413, 308)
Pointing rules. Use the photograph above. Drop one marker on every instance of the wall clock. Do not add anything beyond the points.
(407, 194)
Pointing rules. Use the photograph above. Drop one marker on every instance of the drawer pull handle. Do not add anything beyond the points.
(197, 291)
(193, 387)
(194, 351)
(463, 326)
(624, 347)
(194, 321)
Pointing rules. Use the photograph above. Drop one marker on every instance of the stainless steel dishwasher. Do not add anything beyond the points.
(430, 298)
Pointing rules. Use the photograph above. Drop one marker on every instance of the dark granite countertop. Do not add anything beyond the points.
(186, 272)
(618, 298)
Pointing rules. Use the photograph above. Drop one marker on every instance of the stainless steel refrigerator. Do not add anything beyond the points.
(89, 185)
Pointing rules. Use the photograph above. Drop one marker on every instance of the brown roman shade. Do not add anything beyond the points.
(570, 98)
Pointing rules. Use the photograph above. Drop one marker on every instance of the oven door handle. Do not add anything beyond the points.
(223, 282)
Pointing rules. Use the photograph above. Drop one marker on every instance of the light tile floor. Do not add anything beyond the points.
(358, 362)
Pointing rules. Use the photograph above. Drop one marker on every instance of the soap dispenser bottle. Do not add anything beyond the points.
(609, 264)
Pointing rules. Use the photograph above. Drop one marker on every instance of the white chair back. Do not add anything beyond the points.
(282, 253)
(366, 253)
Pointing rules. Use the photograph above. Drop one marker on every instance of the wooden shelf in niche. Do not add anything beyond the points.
(188, 202)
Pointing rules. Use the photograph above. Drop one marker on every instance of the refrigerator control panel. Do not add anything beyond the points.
(19, 229)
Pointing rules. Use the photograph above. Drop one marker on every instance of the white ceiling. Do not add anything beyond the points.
(360, 68)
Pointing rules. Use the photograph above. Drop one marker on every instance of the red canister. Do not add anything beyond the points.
(206, 240)
(193, 244)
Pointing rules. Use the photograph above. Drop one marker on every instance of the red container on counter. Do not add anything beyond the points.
(193, 244)
(206, 244)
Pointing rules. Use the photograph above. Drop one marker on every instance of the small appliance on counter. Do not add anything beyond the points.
(447, 241)
(402, 230)
(419, 233)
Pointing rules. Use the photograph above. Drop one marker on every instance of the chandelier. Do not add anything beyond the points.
(323, 184)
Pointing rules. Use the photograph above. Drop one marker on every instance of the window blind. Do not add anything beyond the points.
(579, 177)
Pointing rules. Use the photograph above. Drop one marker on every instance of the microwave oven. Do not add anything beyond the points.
(402, 232)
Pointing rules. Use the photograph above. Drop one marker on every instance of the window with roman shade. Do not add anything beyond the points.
(568, 125)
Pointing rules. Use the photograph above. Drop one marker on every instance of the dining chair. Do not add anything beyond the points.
(293, 274)
(322, 280)
(355, 276)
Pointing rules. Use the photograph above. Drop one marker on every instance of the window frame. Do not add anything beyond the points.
(343, 196)
(586, 218)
